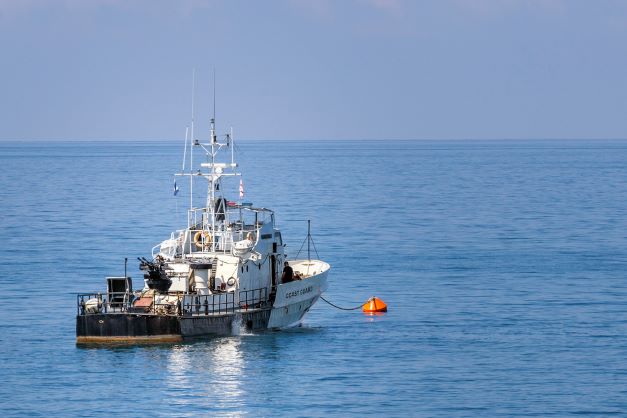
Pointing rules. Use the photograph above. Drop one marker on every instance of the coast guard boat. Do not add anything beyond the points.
(219, 275)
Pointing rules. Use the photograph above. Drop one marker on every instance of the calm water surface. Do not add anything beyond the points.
(504, 264)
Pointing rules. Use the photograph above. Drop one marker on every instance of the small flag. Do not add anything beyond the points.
(241, 188)
(176, 188)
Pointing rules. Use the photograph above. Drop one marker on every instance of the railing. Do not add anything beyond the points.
(255, 298)
(219, 303)
(222, 241)
(81, 302)
(194, 305)
(88, 303)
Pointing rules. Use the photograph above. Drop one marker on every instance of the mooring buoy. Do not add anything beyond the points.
(374, 305)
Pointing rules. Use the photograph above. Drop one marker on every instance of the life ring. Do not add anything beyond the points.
(198, 239)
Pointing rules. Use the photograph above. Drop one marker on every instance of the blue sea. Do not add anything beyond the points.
(503, 263)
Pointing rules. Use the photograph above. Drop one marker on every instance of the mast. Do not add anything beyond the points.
(215, 205)
(191, 165)
(191, 158)
(212, 182)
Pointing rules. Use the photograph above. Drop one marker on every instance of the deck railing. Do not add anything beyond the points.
(219, 303)
(103, 302)
(251, 299)
(181, 304)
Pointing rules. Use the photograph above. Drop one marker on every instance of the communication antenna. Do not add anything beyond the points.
(214, 93)
(213, 119)
(185, 149)
(232, 148)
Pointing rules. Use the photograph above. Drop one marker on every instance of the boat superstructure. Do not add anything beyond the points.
(219, 274)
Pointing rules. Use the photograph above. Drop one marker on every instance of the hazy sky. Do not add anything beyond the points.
(314, 69)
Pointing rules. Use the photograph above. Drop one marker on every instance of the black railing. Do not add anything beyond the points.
(82, 306)
(219, 303)
(255, 298)
(90, 303)
(214, 304)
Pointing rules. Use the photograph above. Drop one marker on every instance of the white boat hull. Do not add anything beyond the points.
(294, 299)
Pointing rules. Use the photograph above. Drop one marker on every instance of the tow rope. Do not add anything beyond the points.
(372, 305)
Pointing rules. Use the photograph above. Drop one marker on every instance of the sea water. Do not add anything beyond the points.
(503, 263)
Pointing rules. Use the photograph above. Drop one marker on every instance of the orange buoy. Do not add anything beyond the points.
(374, 305)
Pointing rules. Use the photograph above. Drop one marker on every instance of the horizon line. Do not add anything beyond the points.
(6, 140)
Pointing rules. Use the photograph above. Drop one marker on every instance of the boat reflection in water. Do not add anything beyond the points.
(211, 370)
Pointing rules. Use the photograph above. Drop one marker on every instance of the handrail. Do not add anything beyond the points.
(178, 305)
(82, 298)
(254, 298)
(201, 304)
(222, 238)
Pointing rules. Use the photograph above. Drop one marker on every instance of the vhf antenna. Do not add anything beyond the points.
(213, 120)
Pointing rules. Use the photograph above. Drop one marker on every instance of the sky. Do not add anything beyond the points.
(313, 69)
